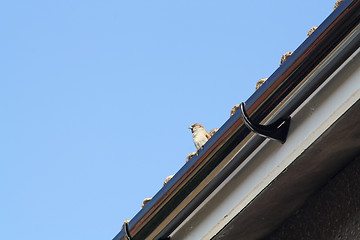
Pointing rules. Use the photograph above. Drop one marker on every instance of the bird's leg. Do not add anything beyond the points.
(197, 152)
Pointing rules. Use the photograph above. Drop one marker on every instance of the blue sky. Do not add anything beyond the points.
(96, 98)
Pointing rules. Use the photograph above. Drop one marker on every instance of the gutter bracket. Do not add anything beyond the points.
(277, 130)
(126, 230)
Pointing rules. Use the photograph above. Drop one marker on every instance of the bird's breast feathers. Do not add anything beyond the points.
(200, 138)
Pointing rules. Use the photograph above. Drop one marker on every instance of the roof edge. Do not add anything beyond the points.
(259, 107)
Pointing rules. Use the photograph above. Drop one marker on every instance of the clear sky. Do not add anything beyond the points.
(96, 98)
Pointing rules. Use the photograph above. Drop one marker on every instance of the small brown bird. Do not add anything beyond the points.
(200, 135)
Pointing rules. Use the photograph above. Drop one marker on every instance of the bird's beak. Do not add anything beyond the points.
(190, 127)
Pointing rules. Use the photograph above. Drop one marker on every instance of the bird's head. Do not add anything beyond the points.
(195, 127)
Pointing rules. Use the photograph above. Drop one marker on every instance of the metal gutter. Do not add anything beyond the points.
(203, 173)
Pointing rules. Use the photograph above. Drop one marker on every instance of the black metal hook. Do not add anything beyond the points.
(127, 233)
(277, 130)
(126, 230)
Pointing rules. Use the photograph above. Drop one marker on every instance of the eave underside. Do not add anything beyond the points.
(326, 157)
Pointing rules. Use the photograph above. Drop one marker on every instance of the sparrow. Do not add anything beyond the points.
(200, 135)
(212, 132)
